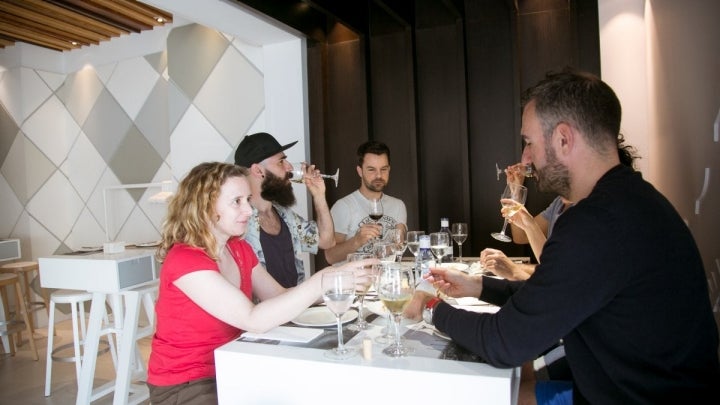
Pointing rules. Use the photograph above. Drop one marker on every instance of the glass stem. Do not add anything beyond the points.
(397, 319)
(341, 345)
(504, 226)
(361, 302)
(460, 250)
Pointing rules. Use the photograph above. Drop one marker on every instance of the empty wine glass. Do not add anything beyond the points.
(338, 290)
(459, 235)
(297, 174)
(413, 244)
(513, 198)
(529, 171)
(362, 285)
(385, 251)
(396, 286)
(439, 241)
(398, 238)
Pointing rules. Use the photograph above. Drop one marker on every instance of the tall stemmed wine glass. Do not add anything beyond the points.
(413, 244)
(439, 241)
(396, 286)
(398, 237)
(385, 252)
(338, 290)
(362, 285)
(512, 200)
(459, 235)
(297, 174)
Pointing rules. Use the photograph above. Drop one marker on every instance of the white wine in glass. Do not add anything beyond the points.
(338, 289)
(438, 243)
(459, 235)
(512, 200)
(297, 174)
(396, 286)
(529, 171)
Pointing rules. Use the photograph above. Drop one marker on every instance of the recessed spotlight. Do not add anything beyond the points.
(74, 43)
(160, 20)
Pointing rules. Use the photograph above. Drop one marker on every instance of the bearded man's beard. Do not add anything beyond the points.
(554, 177)
(278, 190)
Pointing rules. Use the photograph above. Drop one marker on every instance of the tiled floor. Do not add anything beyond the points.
(22, 379)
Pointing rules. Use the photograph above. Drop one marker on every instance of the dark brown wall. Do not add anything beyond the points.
(439, 81)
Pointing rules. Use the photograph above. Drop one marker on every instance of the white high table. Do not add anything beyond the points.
(263, 372)
(118, 275)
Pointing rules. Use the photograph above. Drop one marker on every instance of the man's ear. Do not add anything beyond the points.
(256, 170)
(566, 137)
(358, 169)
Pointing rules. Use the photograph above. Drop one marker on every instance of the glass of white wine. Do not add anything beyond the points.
(297, 174)
(529, 171)
(438, 242)
(396, 286)
(338, 291)
(512, 200)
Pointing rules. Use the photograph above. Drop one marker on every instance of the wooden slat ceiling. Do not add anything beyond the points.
(64, 25)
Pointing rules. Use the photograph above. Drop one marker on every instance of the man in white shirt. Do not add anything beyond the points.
(354, 229)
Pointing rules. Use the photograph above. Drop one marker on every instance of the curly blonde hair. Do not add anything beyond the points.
(191, 211)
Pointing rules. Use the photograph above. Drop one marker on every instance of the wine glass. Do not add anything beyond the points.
(529, 171)
(459, 235)
(297, 174)
(413, 244)
(512, 200)
(396, 286)
(439, 241)
(376, 209)
(398, 239)
(362, 285)
(338, 291)
(385, 251)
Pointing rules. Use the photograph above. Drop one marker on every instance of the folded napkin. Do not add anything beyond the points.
(287, 334)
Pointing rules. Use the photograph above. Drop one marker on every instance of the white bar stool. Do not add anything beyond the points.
(76, 299)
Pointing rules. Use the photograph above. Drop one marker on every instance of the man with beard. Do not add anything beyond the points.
(621, 280)
(278, 234)
(354, 229)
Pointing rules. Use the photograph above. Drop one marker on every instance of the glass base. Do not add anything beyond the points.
(397, 351)
(360, 324)
(341, 354)
(501, 237)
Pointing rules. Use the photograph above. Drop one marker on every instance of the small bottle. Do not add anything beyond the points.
(445, 227)
(426, 261)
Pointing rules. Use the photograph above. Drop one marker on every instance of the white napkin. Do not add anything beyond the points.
(287, 334)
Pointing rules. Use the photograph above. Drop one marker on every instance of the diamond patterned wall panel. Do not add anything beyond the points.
(193, 52)
(131, 82)
(8, 132)
(135, 160)
(52, 129)
(106, 125)
(26, 168)
(79, 93)
(152, 120)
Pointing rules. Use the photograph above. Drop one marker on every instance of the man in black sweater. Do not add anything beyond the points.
(621, 280)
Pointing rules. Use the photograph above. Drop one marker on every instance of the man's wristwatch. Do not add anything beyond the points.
(430, 309)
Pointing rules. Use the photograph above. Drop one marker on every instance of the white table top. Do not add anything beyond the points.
(293, 373)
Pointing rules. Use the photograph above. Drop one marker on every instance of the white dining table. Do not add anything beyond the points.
(267, 371)
(119, 277)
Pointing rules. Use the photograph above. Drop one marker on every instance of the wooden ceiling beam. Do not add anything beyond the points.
(63, 14)
(25, 18)
(31, 36)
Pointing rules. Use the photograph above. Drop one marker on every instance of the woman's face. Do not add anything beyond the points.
(233, 208)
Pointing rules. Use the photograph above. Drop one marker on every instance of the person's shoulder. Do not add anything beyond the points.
(392, 199)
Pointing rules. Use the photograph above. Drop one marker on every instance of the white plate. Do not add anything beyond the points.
(90, 249)
(148, 244)
(441, 335)
(377, 307)
(457, 266)
(322, 316)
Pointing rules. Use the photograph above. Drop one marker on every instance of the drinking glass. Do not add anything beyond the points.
(385, 251)
(362, 285)
(512, 200)
(398, 239)
(396, 285)
(459, 235)
(338, 290)
(529, 171)
(439, 241)
(297, 174)
(376, 209)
